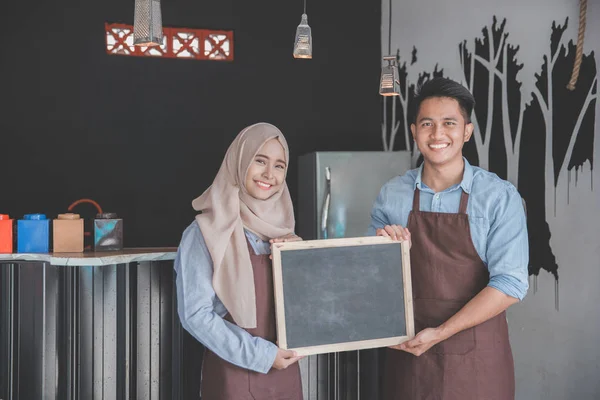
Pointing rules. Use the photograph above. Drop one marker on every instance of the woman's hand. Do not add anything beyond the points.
(290, 237)
(285, 358)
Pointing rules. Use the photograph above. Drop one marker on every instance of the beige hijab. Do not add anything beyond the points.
(227, 209)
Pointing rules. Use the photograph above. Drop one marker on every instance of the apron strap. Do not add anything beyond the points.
(417, 200)
(462, 209)
(464, 200)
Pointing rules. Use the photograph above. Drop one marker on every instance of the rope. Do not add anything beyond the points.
(580, 37)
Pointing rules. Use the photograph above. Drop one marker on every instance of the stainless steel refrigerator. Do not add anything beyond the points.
(336, 191)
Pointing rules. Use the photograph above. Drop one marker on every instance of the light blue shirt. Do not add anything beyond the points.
(201, 312)
(496, 218)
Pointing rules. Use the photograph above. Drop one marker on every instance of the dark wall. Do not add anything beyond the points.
(144, 136)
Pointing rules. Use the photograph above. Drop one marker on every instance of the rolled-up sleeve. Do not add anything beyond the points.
(507, 245)
(195, 304)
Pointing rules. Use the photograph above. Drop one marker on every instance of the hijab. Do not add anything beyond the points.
(227, 209)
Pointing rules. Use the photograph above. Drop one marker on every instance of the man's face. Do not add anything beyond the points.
(440, 131)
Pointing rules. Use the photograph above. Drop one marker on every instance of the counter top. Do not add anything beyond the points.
(93, 258)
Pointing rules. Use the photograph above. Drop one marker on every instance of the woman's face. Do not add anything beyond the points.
(266, 173)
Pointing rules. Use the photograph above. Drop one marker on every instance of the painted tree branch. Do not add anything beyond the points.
(549, 181)
(384, 125)
(404, 104)
(520, 127)
(484, 153)
(589, 98)
(554, 57)
(471, 79)
(542, 101)
(395, 125)
(500, 47)
(511, 148)
(472, 69)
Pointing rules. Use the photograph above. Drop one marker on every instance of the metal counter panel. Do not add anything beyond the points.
(93, 333)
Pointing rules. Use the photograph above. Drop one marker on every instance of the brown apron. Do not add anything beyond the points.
(447, 272)
(224, 381)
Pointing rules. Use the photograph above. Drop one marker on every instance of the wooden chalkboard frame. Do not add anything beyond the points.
(278, 248)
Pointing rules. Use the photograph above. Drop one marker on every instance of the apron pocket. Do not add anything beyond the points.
(277, 384)
(460, 344)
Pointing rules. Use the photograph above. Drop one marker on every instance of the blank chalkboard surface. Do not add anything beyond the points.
(342, 294)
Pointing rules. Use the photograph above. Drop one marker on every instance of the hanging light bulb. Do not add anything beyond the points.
(147, 25)
(389, 85)
(303, 42)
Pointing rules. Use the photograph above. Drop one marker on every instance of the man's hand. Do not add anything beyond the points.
(396, 232)
(418, 345)
(487, 304)
(285, 358)
(290, 237)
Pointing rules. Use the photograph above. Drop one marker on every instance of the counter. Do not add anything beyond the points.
(94, 326)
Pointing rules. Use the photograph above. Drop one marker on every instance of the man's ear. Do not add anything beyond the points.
(469, 131)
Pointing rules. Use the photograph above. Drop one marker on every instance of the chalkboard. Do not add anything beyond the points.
(342, 294)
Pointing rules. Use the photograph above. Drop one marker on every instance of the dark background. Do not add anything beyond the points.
(144, 136)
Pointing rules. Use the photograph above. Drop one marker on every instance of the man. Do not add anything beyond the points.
(469, 257)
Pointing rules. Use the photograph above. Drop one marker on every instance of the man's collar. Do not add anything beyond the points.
(465, 184)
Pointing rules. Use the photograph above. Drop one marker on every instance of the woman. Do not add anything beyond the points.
(224, 278)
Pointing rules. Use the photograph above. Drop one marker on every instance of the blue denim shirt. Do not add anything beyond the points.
(496, 218)
(201, 312)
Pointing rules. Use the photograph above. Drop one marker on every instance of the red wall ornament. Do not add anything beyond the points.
(184, 43)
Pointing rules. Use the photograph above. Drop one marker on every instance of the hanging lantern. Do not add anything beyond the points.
(147, 25)
(389, 85)
(303, 42)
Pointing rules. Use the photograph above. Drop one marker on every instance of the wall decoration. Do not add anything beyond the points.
(183, 43)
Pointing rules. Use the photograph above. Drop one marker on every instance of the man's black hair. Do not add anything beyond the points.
(444, 87)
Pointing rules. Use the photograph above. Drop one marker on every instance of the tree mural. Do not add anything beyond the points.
(565, 119)
(531, 139)
(569, 114)
(490, 70)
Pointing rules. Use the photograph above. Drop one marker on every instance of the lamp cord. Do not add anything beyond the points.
(390, 30)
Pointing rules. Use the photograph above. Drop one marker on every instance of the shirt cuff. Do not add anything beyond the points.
(266, 363)
(510, 286)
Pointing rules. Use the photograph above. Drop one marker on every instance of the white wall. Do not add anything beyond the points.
(557, 352)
